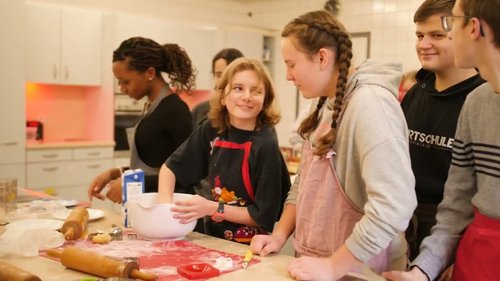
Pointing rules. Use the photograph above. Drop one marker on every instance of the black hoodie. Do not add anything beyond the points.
(432, 120)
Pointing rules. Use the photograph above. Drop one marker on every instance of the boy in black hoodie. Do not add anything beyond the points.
(431, 108)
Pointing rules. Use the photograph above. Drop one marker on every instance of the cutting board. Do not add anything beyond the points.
(162, 258)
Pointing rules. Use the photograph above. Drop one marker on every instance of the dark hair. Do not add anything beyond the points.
(219, 115)
(142, 53)
(311, 32)
(228, 55)
(433, 7)
(486, 10)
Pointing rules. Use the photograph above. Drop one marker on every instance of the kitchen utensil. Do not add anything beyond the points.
(116, 233)
(75, 223)
(247, 258)
(197, 271)
(94, 263)
(12, 273)
(154, 221)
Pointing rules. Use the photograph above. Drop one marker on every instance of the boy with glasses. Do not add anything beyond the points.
(431, 109)
(468, 218)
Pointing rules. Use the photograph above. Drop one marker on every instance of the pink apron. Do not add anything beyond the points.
(325, 216)
(478, 253)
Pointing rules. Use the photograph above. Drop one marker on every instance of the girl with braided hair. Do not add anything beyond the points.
(166, 121)
(354, 196)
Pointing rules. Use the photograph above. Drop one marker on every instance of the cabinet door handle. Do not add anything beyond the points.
(49, 169)
(66, 72)
(95, 153)
(54, 72)
(95, 166)
(50, 156)
(10, 143)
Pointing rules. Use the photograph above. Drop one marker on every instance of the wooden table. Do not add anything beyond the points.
(272, 267)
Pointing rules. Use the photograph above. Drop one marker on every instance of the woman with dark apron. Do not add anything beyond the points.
(166, 120)
(238, 151)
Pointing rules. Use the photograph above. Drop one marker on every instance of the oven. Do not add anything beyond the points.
(122, 122)
(127, 114)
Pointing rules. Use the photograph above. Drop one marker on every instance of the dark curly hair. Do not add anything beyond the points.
(143, 53)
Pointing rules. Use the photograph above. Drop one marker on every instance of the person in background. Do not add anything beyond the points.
(166, 121)
(407, 81)
(219, 62)
(468, 219)
(238, 152)
(353, 196)
(431, 109)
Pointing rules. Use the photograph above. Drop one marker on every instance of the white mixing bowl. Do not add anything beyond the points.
(154, 221)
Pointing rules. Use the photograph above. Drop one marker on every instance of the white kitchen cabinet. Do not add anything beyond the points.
(63, 45)
(12, 108)
(198, 41)
(249, 42)
(68, 171)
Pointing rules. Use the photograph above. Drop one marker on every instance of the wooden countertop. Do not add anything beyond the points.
(273, 267)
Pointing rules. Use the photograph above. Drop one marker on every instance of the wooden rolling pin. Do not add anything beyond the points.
(75, 223)
(94, 263)
(11, 273)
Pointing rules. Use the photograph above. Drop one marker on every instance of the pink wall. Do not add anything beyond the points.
(67, 111)
(80, 112)
(195, 97)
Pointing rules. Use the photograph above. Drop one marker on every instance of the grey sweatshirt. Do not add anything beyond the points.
(373, 162)
(474, 177)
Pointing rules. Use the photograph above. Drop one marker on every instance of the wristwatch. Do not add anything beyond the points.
(219, 214)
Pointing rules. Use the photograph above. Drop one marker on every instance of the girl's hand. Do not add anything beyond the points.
(193, 209)
(115, 191)
(98, 184)
(310, 268)
(266, 244)
(415, 274)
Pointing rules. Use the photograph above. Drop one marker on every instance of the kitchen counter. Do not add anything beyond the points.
(67, 144)
(273, 267)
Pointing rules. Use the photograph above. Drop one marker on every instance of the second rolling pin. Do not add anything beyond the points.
(75, 223)
(97, 264)
(11, 273)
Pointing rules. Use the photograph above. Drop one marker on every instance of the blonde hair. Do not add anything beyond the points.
(311, 32)
(219, 115)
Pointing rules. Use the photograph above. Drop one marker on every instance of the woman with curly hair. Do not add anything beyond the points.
(166, 121)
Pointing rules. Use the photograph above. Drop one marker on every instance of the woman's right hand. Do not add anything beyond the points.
(266, 244)
(98, 183)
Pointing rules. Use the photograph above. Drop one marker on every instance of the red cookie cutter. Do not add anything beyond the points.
(197, 271)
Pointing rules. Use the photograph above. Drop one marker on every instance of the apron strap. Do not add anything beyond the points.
(245, 169)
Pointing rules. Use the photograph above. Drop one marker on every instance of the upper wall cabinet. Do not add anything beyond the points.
(197, 41)
(63, 45)
(250, 43)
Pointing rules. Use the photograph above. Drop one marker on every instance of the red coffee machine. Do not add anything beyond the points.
(34, 130)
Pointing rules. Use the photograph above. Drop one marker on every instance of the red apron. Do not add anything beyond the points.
(325, 216)
(229, 173)
(478, 253)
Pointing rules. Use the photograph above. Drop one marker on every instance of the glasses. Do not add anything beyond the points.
(447, 22)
